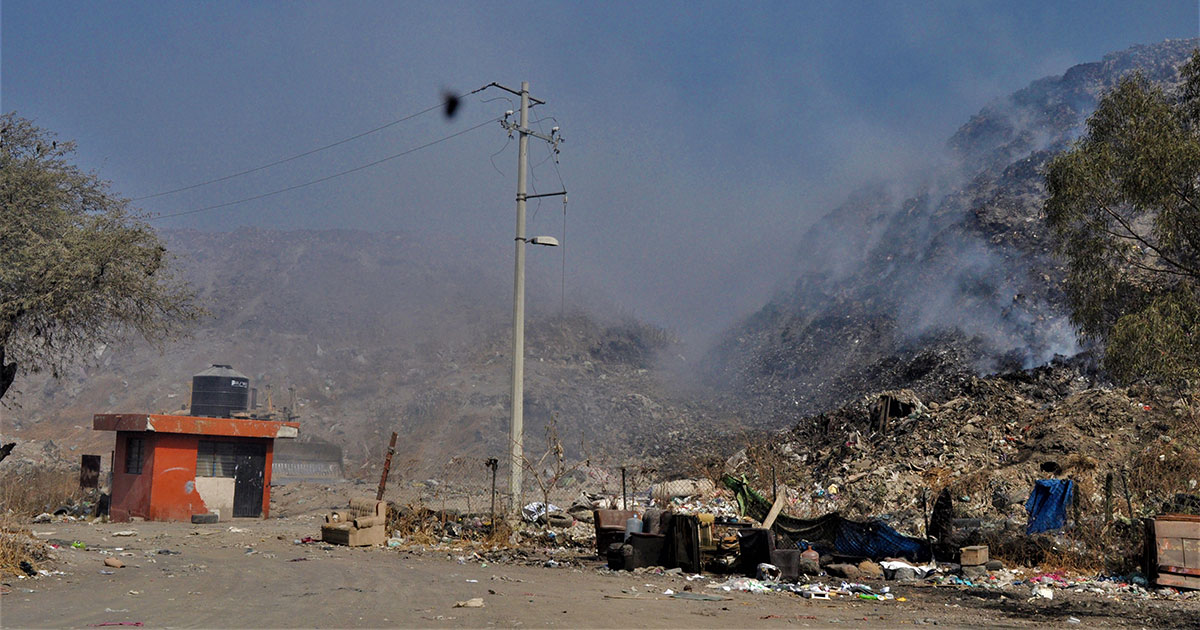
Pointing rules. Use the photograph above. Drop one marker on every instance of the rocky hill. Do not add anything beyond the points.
(929, 283)
(376, 332)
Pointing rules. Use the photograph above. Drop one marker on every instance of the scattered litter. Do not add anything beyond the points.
(238, 530)
(534, 510)
(474, 602)
(125, 532)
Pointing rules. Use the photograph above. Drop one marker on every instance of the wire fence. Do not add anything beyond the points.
(472, 485)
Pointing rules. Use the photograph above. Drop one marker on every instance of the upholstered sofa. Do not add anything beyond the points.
(363, 523)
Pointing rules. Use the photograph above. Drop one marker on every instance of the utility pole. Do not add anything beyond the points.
(517, 420)
(517, 424)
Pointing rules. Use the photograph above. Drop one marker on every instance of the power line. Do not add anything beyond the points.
(327, 177)
(311, 151)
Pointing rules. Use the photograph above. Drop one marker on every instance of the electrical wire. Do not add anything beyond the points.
(562, 308)
(492, 157)
(310, 151)
(327, 177)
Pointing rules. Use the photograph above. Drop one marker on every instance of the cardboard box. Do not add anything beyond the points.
(973, 556)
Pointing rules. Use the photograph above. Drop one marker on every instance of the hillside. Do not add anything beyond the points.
(377, 333)
(929, 283)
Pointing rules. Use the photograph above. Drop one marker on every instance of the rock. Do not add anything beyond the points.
(870, 569)
(994, 565)
(842, 570)
(114, 563)
(809, 567)
(904, 574)
(974, 572)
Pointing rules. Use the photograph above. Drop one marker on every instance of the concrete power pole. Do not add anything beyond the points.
(516, 425)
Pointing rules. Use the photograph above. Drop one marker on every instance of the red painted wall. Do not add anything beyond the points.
(174, 497)
(131, 493)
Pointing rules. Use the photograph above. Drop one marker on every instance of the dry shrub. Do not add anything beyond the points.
(39, 490)
(1079, 462)
(17, 545)
(1166, 467)
(419, 525)
(415, 523)
(972, 484)
(500, 533)
(937, 478)
(1071, 561)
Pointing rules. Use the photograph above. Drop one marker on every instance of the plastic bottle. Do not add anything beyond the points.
(633, 525)
(810, 554)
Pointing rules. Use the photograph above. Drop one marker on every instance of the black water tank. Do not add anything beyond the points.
(219, 391)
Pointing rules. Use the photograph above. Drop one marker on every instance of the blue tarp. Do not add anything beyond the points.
(1047, 504)
(831, 533)
(876, 539)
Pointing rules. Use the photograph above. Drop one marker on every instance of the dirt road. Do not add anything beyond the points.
(181, 575)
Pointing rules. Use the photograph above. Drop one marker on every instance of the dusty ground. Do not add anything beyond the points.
(213, 577)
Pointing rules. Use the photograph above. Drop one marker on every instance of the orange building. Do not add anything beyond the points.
(168, 468)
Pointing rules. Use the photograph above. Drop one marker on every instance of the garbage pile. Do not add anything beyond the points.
(989, 442)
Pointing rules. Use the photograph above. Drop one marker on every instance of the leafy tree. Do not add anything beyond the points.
(78, 267)
(1124, 205)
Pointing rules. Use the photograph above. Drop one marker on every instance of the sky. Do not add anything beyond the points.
(701, 138)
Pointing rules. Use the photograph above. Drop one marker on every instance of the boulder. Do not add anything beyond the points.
(904, 574)
(974, 572)
(843, 570)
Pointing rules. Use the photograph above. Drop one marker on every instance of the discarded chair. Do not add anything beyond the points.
(364, 523)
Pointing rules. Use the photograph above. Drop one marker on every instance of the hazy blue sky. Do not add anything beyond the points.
(702, 137)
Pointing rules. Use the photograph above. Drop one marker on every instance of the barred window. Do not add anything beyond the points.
(134, 451)
(215, 459)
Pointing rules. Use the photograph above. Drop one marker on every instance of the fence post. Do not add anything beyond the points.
(492, 463)
(624, 496)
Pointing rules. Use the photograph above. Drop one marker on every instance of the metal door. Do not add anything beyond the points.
(251, 461)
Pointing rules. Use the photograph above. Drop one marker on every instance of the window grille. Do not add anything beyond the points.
(215, 459)
(134, 454)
